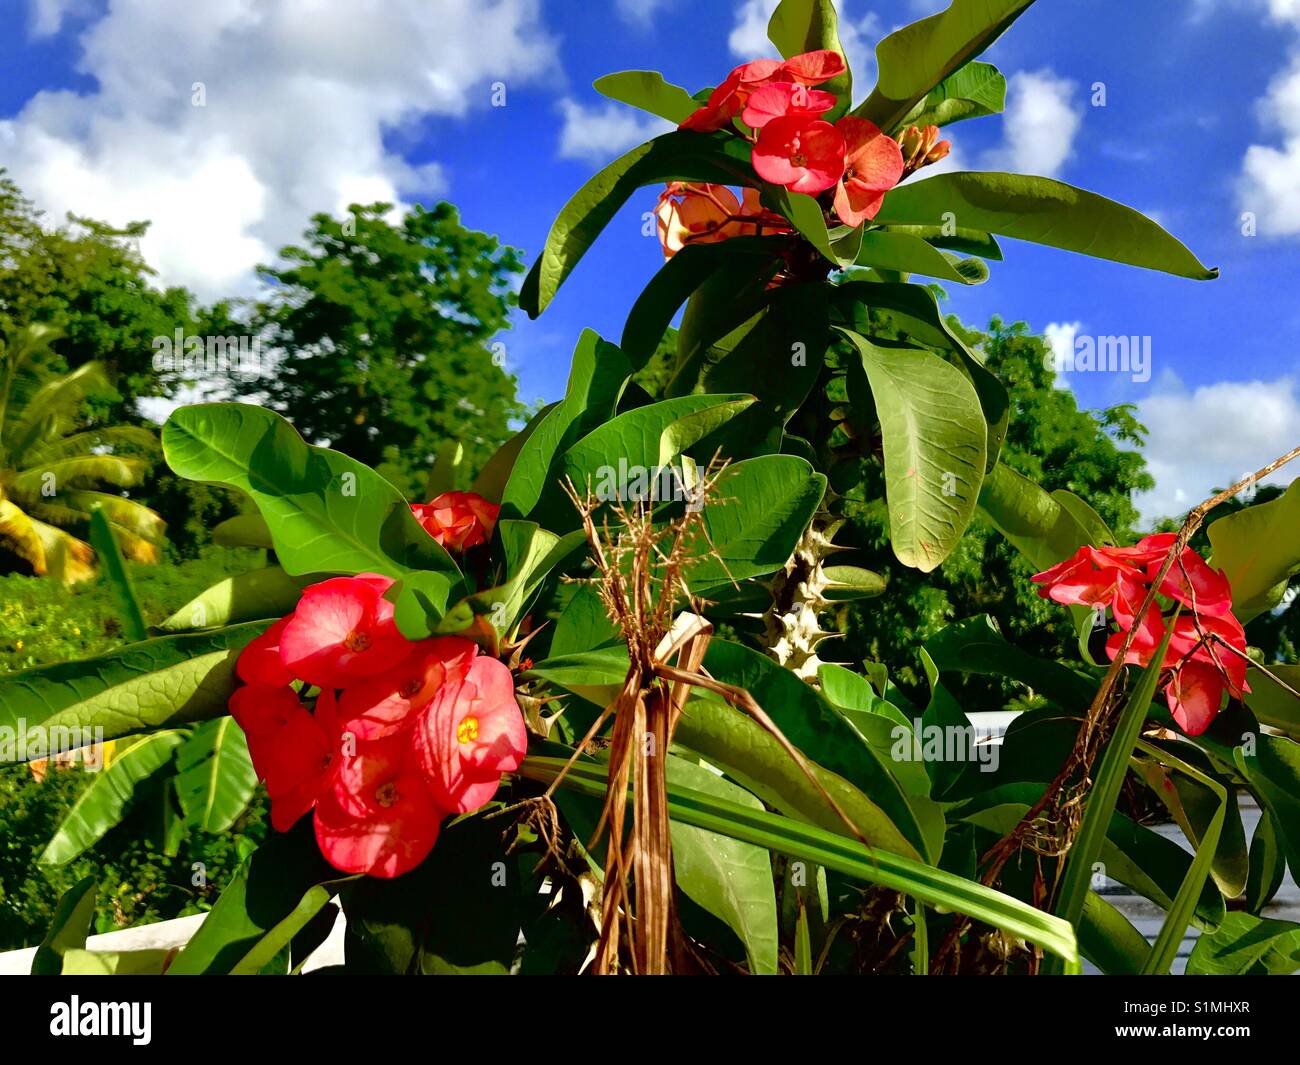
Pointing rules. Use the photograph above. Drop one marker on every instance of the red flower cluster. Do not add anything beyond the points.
(1200, 667)
(797, 148)
(401, 734)
(458, 520)
(703, 214)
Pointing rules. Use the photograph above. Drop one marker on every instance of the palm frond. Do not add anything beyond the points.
(90, 441)
(52, 407)
(127, 514)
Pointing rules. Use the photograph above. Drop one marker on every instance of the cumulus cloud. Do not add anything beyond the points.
(600, 133)
(1041, 121)
(858, 36)
(289, 119)
(641, 12)
(1060, 338)
(1211, 436)
(1269, 184)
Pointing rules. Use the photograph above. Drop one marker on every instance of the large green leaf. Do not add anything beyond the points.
(681, 155)
(103, 805)
(976, 89)
(647, 438)
(840, 853)
(729, 878)
(887, 249)
(1043, 211)
(815, 727)
(149, 962)
(647, 90)
(799, 26)
(915, 59)
(1273, 772)
(935, 441)
(258, 594)
(170, 680)
(1109, 940)
(914, 312)
(215, 778)
(1258, 549)
(762, 507)
(327, 512)
(597, 376)
(1270, 702)
(1247, 946)
(495, 474)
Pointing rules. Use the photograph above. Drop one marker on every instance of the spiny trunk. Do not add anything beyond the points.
(792, 624)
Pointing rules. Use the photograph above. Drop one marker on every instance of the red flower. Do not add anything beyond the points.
(803, 154)
(292, 750)
(458, 520)
(729, 99)
(341, 631)
(812, 68)
(1191, 582)
(779, 99)
(380, 706)
(379, 816)
(470, 734)
(873, 164)
(260, 661)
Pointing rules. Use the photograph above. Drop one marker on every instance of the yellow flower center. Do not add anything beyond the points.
(467, 730)
(357, 641)
(386, 794)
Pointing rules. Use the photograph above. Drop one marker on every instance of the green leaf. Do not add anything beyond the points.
(115, 963)
(683, 274)
(1043, 211)
(272, 894)
(837, 852)
(889, 249)
(1273, 772)
(967, 241)
(597, 376)
(762, 508)
(492, 478)
(806, 215)
(975, 90)
(846, 583)
(327, 512)
(170, 680)
(1258, 549)
(1267, 864)
(681, 155)
(243, 530)
(914, 311)
(68, 928)
(648, 437)
(1271, 703)
(1245, 945)
(799, 26)
(1108, 939)
(648, 90)
(252, 596)
(114, 570)
(915, 59)
(444, 476)
(816, 728)
(729, 878)
(1104, 793)
(935, 440)
(583, 625)
(103, 805)
(215, 778)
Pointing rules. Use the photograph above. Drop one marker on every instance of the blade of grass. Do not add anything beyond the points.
(114, 571)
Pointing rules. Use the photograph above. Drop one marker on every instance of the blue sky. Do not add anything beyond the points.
(307, 104)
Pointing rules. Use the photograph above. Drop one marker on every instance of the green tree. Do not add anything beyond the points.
(88, 280)
(382, 333)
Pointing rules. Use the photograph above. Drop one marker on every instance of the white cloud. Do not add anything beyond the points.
(641, 12)
(603, 132)
(1269, 184)
(1039, 126)
(1213, 436)
(1060, 338)
(299, 96)
(748, 39)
